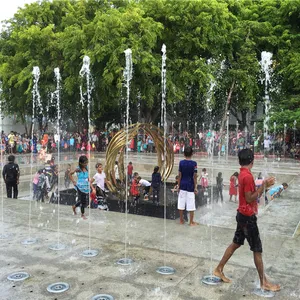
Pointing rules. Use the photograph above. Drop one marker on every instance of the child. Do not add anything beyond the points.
(233, 186)
(155, 183)
(176, 186)
(67, 176)
(277, 190)
(129, 171)
(204, 179)
(134, 190)
(35, 182)
(82, 185)
(187, 183)
(219, 186)
(145, 184)
(43, 186)
(116, 172)
(247, 221)
(100, 179)
(258, 182)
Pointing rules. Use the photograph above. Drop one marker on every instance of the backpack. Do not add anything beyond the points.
(11, 172)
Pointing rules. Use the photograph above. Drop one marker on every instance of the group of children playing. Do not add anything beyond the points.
(94, 188)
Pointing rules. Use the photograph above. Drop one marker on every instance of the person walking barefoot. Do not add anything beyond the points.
(246, 221)
(187, 183)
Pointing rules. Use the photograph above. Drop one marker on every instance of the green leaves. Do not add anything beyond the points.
(229, 33)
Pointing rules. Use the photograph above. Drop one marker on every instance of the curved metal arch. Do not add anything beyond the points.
(116, 149)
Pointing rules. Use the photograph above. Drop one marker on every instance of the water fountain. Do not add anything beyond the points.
(127, 76)
(266, 62)
(211, 279)
(36, 103)
(164, 270)
(85, 73)
(274, 151)
(227, 134)
(195, 136)
(58, 246)
(3, 235)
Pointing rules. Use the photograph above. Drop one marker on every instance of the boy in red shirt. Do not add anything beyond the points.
(246, 221)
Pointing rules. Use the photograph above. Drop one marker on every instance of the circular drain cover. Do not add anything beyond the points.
(58, 287)
(211, 280)
(57, 247)
(263, 293)
(89, 253)
(29, 241)
(103, 297)
(165, 270)
(19, 276)
(125, 261)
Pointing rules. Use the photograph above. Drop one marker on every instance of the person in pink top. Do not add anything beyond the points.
(247, 221)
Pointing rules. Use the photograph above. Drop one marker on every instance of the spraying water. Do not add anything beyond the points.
(127, 77)
(2, 235)
(57, 95)
(85, 73)
(164, 269)
(36, 103)
(164, 123)
(266, 62)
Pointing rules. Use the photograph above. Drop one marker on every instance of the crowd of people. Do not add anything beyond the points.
(209, 142)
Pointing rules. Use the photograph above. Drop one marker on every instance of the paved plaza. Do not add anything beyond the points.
(151, 243)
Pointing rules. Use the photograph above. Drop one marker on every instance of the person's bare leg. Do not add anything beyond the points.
(181, 216)
(230, 198)
(192, 223)
(264, 283)
(228, 253)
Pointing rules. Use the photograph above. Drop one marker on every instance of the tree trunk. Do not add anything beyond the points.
(227, 105)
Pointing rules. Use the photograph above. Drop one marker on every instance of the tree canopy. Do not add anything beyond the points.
(213, 58)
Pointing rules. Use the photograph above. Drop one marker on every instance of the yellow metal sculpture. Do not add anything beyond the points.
(117, 147)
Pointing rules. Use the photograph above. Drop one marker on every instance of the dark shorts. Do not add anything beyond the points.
(247, 229)
(83, 198)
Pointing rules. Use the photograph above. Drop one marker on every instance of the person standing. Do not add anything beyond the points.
(233, 186)
(82, 185)
(129, 172)
(247, 221)
(187, 182)
(219, 186)
(155, 184)
(11, 175)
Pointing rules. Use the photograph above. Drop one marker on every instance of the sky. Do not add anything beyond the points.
(10, 7)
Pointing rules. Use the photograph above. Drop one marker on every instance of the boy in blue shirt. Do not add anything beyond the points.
(187, 183)
(277, 190)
